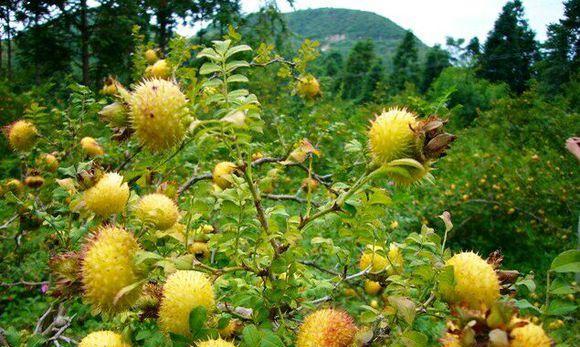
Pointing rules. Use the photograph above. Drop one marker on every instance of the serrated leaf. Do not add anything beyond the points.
(251, 336)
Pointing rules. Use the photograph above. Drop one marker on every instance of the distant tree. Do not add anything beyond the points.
(7, 13)
(562, 49)
(462, 54)
(405, 63)
(510, 49)
(373, 81)
(360, 60)
(333, 66)
(168, 13)
(437, 59)
(40, 41)
(111, 40)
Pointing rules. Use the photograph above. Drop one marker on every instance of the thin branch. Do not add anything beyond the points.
(22, 283)
(129, 159)
(193, 180)
(8, 222)
(280, 197)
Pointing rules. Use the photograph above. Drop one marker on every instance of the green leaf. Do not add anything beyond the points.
(568, 261)
(209, 53)
(414, 339)
(209, 68)
(236, 64)
(405, 308)
(126, 290)
(446, 279)
(238, 93)
(237, 49)
(560, 307)
(271, 340)
(251, 336)
(197, 318)
(237, 78)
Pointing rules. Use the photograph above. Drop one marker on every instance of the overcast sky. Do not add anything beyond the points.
(433, 20)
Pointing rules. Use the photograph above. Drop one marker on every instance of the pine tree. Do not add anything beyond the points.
(437, 60)
(373, 81)
(405, 63)
(360, 60)
(562, 49)
(510, 49)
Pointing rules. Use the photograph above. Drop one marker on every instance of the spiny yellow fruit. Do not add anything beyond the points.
(395, 259)
(22, 135)
(108, 196)
(158, 114)
(450, 340)
(308, 87)
(107, 267)
(34, 181)
(199, 249)
(392, 263)
(103, 338)
(327, 328)
(215, 343)
(476, 283)
(151, 56)
(159, 70)
(158, 210)
(234, 326)
(182, 292)
(222, 174)
(91, 147)
(14, 185)
(530, 335)
(391, 135)
(48, 161)
(309, 184)
(372, 287)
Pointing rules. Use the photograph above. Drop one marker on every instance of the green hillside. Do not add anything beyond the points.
(339, 29)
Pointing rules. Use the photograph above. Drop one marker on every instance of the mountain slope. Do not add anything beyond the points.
(339, 29)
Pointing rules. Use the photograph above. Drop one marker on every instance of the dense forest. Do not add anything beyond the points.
(313, 178)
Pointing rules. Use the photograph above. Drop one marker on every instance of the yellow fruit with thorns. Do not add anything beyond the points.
(103, 338)
(530, 335)
(475, 282)
(372, 287)
(200, 250)
(215, 343)
(107, 267)
(373, 259)
(22, 135)
(48, 161)
(183, 291)
(108, 196)
(222, 174)
(158, 114)
(151, 56)
(308, 87)
(157, 210)
(327, 328)
(91, 147)
(391, 135)
(159, 70)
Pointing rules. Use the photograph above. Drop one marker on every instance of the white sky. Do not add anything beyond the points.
(433, 20)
